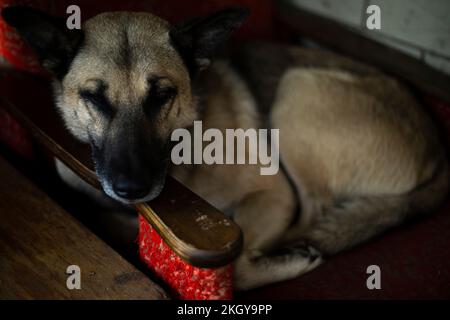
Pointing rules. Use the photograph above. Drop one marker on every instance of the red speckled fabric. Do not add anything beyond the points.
(186, 281)
(12, 49)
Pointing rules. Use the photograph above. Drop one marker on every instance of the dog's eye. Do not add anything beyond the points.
(159, 97)
(97, 100)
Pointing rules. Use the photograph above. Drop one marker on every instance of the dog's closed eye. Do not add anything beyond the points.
(161, 96)
(97, 100)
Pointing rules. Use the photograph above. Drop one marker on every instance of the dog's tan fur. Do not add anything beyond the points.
(359, 154)
(356, 138)
(149, 54)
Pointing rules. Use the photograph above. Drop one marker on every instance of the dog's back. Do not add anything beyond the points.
(347, 132)
(361, 152)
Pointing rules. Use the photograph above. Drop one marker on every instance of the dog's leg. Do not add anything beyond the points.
(352, 222)
(264, 217)
(360, 218)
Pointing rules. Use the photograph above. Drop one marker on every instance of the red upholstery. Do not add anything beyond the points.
(186, 281)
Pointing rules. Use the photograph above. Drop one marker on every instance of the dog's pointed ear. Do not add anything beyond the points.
(197, 39)
(54, 44)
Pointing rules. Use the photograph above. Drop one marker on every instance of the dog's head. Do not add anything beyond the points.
(123, 84)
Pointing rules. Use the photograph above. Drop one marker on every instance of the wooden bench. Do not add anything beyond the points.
(39, 240)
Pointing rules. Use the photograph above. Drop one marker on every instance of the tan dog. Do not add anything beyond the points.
(359, 155)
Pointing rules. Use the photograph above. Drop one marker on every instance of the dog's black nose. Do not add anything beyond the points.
(130, 189)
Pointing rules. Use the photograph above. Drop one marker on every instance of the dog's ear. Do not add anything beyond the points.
(54, 44)
(197, 39)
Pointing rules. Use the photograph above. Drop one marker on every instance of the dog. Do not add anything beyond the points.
(358, 154)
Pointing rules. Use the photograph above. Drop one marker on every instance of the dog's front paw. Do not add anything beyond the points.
(306, 251)
(251, 273)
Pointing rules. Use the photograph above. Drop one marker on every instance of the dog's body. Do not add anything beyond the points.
(359, 155)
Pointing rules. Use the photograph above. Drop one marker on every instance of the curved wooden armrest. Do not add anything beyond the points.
(211, 241)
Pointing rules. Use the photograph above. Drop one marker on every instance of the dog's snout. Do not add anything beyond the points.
(130, 189)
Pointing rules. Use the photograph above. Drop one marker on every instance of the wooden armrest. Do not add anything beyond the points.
(174, 213)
